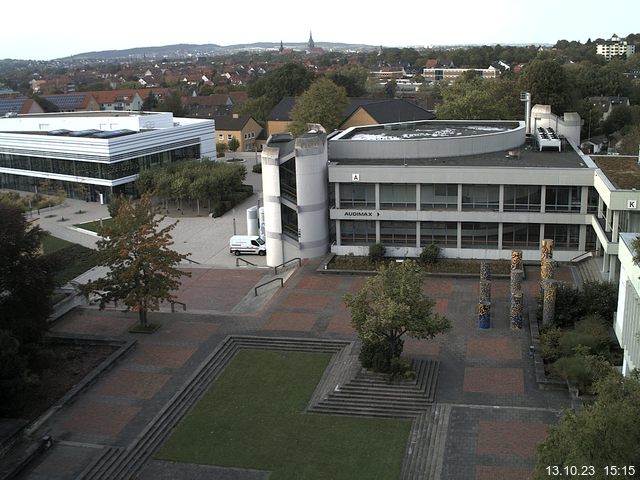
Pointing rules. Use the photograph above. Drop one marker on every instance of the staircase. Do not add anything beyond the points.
(425, 453)
(589, 270)
(345, 389)
(374, 395)
(116, 463)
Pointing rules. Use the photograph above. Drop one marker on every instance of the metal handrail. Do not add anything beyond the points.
(238, 259)
(288, 261)
(173, 304)
(255, 290)
(582, 256)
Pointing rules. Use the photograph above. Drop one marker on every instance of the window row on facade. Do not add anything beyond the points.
(471, 234)
(516, 198)
(107, 171)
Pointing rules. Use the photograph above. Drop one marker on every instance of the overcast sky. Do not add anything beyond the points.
(44, 30)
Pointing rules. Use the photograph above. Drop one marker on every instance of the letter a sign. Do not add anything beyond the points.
(355, 177)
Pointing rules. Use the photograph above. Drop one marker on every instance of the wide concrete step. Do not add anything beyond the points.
(396, 401)
(366, 411)
(425, 452)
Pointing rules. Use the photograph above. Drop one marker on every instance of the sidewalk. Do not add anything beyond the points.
(205, 238)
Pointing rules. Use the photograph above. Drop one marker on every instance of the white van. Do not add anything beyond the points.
(239, 244)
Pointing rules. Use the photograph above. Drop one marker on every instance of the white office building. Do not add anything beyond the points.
(96, 154)
(627, 321)
(478, 189)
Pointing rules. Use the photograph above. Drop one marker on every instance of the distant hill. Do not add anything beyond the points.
(186, 49)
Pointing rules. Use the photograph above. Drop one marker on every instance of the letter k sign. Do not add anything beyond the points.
(632, 204)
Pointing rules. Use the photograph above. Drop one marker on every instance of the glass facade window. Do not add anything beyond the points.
(439, 196)
(479, 235)
(289, 222)
(480, 197)
(563, 199)
(361, 195)
(592, 200)
(565, 237)
(592, 238)
(443, 234)
(398, 196)
(102, 170)
(288, 179)
(354, 232)
(398, 233)
(522, 198)
(520, 235)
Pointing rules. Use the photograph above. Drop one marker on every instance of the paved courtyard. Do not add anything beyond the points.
(486, 376)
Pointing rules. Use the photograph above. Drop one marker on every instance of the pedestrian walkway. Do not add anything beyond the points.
(206, 239)
(492, 413)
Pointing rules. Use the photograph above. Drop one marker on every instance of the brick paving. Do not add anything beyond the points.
(324, 282)
(496, 381)
(105, 419)
(340, 323)
(502, 473)
(162, 355)
(306, 300)
(291, 321)
(128, 383)
(108, 324)
(185, 332)
(494, 348)
(509, 438)
(479, 369)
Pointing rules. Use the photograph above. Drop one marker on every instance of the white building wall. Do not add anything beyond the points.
(567, 125)
(272, 212)
(627, 320)
(312, 196)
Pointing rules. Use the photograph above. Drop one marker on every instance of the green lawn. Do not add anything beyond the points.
(52, 244)
(252, 417)
(69, 259)
(95, 225)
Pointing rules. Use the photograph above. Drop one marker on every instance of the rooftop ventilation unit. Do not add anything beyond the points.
(548, 138)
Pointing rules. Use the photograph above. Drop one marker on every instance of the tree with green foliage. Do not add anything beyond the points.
(150, 103)
(547, 82)
(142, 269)
(603, 434)
(390, 306)
(233, 144)
(376, 252)
(430, 254)
(218, 183)
(172, 103)
(573, 304)
(617, 120)
(324, 103)
(26, 286)
(291, 79)
(473, 98)
(353, 78)
(390, 88)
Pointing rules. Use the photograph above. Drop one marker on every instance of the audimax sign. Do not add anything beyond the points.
(361, 213)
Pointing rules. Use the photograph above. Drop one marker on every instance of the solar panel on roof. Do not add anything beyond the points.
(113, 133)
(59, 132)
(66, 102)
(10, 105)
(83, 133)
